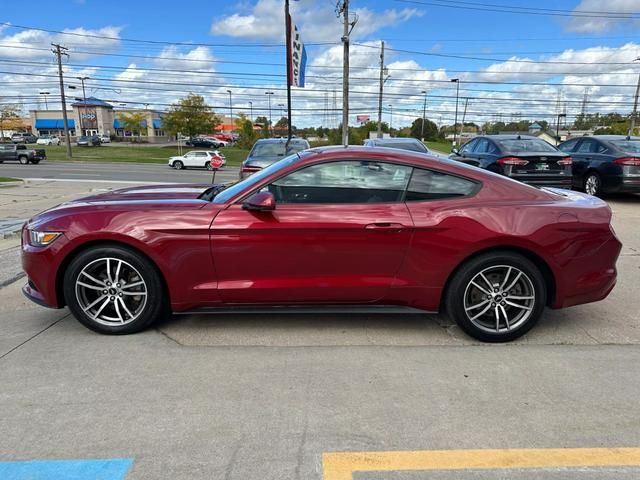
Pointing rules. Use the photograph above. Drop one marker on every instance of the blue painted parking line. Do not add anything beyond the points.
(98, 469)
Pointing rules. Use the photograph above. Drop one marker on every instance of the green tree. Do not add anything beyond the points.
(430, 129)
(134, 122)
(248, 135)
(190, 116)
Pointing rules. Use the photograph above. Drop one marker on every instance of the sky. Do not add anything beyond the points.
(515, 60)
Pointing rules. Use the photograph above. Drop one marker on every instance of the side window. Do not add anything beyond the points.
(569, 145)
(587, 146)
(601, 148)
(468, 147)
(343, 182)
(431, 185)
(21, 147)
(482, 146)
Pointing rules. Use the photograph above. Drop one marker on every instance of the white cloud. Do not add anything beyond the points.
(318, 22)
(35, 44)
(601, 24)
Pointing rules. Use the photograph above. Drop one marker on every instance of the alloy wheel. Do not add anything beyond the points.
(592, 184)
(499, 299)
(111, 291)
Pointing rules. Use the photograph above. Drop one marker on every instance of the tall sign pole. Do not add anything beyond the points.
(59, 51)
(345, 74)
(287, 21)
(381, 89)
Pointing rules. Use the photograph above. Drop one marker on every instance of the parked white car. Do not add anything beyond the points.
(196, 159)
(48, 140)
(105, 139)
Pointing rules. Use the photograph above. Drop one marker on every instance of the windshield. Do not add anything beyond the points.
(275, 149)
(236, 188)
(526, 145)
(629, 146)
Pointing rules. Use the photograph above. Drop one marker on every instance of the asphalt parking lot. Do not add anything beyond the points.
(329, 397)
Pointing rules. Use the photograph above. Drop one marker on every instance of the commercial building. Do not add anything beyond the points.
(96, 117)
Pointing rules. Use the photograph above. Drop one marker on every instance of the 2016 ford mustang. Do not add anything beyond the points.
(328, 226)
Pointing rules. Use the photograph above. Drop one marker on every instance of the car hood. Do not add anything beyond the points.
(149, 192)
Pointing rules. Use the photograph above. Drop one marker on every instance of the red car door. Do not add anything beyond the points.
(339, 234)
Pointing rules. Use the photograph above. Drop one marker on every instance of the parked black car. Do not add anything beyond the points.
(522, 157)
(88, 141)
(203, 143)
(605, 163)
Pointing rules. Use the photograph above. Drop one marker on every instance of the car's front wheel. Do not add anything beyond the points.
(23, 160)
(114, 290)
(178, 165)
(496, 297)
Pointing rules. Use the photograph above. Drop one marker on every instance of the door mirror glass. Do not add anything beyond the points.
(455, 151)
(260, 202)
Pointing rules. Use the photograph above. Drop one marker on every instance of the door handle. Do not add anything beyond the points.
(385, 227)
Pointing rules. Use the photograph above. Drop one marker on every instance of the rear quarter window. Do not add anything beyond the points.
(433, 185)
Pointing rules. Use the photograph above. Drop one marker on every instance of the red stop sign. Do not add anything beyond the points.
(216, 162)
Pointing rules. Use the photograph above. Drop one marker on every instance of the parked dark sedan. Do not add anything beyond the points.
(203, 143)
(605, 163)
(89, 141)
(521, 157)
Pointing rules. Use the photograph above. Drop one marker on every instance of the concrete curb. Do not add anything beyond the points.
(12, 184)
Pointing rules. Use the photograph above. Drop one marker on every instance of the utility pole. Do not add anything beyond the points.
(84, 106)
(251, 110)
(230, 109)
(464, 115)
(381, 89)
(424, 114)
(455, 122)
(390, 117)
(58, 50)
(635, 106)
(344, 10)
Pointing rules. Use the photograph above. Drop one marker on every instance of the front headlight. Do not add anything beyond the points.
(42, 239)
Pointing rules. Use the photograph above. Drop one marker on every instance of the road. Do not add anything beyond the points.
(122, 172)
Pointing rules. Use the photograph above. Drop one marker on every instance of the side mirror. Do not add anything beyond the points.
(260, 202)
(455, 151)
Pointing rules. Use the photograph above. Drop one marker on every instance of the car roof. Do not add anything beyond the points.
(611, 137)
(396, 140)
(281, 140)
(509, 136)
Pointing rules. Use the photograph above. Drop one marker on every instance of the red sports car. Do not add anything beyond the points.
(328, 226)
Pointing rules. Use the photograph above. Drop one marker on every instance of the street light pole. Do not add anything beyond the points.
(455, 122)
(84, 105)
(424, 112)
(230, 109)
(390, 117)
(268, 94)
(251, 110)
(558, 127)
(635, 106)
(46, 106)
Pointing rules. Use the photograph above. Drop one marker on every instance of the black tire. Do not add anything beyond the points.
(592, 184)
(178, 165)
(23, 160)
(35, 162)
(154, 308)
(460, 289)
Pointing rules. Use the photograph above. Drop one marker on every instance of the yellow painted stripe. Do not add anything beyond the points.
(341, 465)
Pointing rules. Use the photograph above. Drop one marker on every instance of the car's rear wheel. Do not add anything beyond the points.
(114, 290)
(178, 165)
(23, 160)
(496, 297)
(35, 162)
(208, 166)
(593, 184)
